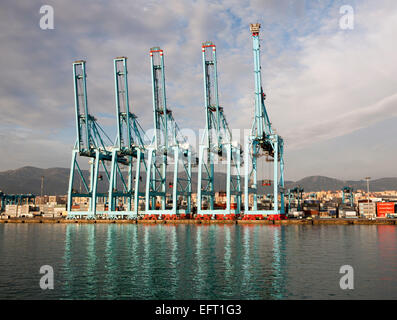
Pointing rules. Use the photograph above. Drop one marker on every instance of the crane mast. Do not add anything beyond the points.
(216, 139)
(167, 142)
(262, 142)
(91, 142)
(295, 195)
(160, 111)
(129, 149)
(348, 196)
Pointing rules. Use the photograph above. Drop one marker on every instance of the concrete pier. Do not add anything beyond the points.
(334, 221)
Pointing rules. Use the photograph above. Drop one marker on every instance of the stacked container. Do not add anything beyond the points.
(12, 210)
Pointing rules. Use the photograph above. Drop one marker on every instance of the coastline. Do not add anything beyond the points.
(333, 221)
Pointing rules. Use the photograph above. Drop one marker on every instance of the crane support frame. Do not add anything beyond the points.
(262, 142)
(15, 199)
(92, 142)
(168, 143)
(216, 141)
(348, 196)
(296, 195)
(129, 152)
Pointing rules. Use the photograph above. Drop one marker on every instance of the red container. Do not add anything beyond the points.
(383, 208)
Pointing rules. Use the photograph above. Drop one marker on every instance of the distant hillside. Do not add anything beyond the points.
(56, 181)
(28, 180)
(318, 183)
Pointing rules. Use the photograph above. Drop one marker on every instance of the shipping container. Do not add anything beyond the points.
(12, 210)
(332, 212)
(347, 213)
(323, 214)
(384, 208)
(350, 214)
(295, 214)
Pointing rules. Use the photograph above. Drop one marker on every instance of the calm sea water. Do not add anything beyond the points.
(197, 261)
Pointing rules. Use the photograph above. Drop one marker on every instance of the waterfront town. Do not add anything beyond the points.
(322, 204)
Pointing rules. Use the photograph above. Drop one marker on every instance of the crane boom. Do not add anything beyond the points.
(262, 126)
(81, 107)
(130, 134)
(122, 103)
(160, 111)
(218, 131)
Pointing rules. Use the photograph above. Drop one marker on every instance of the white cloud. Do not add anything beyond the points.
(342, 80)
(321, 82)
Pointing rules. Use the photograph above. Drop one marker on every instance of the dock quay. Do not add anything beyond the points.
(335, 221)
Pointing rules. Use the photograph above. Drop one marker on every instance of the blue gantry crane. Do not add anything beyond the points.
(2, 201)
(129, 149)
(295, 195)
(167, 143)
(262, 143)
(216, 142)
(92, 142)
(15, 199)
(348, 196)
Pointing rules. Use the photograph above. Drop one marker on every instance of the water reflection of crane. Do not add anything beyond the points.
(73, 254)
(199, 266)
(228, 254)
(67, 261)
(174, 258)
(278, 263)
(111, 275)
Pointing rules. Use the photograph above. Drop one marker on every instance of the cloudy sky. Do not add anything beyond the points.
(331, 92)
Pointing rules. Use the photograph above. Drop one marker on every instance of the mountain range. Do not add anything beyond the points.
(28, 180)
